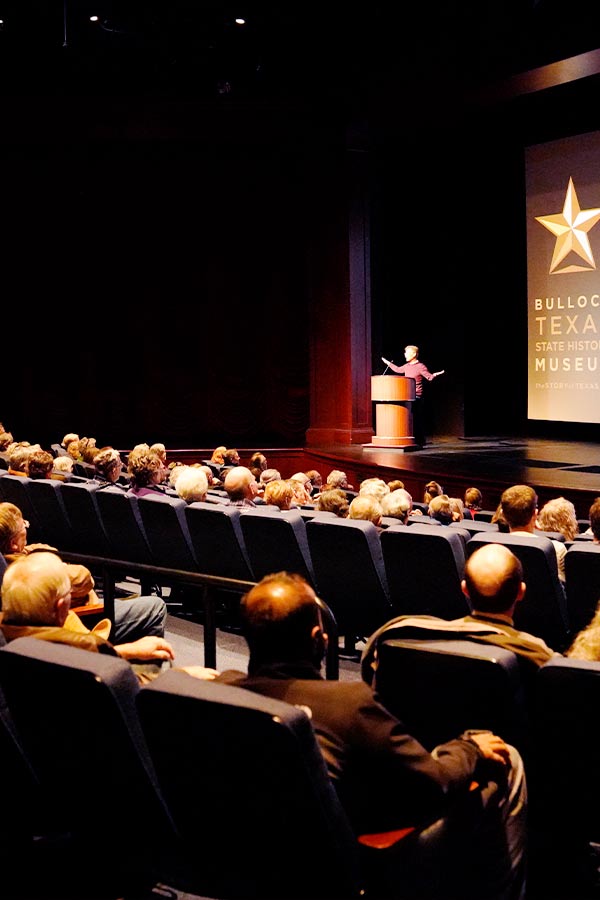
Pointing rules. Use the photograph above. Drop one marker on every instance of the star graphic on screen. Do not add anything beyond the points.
(571, 229)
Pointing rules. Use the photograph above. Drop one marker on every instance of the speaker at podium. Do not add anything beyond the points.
(393, 396)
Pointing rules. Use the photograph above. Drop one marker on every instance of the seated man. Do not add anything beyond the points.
(384, 777)
(493, 584)
(36, 599)
(519, 505)
(241, 487)
(135, 617)
(397, 505)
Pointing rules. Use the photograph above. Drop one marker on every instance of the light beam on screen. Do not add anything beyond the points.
(563, 282)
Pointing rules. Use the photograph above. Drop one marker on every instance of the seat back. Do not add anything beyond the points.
(473, 526)
(440, 688)
(543, 610)
(46, 496)
(277, 541)
(227, 749)
(15, 489)
(166, 528)
(123, 525)
(582, 580)
(75, 713)
(484, 515)
(216, 535)
(564, 787)
(424, 568)
(348, 566)
(80, 501)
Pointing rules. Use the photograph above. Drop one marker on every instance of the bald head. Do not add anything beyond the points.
(493, 579)
(240, 484)
(282, 621)
(36, 590)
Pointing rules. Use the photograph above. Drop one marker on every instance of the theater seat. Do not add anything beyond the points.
(350, 573)
(231, 752)
(277, 541)
(582, 579)
(563, 781)
(76, 717)
(443, 687)
(424, 568)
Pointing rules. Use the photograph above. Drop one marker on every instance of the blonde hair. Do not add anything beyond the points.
(279, 493)
(192, 484)
(367, 508)
(559, 515)
(64, 464)
(31, 587)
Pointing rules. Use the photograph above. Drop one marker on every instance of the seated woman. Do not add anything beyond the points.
(559, 515)
(145, 469)
(279, 493)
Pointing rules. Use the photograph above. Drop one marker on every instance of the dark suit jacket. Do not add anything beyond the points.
(385, 778)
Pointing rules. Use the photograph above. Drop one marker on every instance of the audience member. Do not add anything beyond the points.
(73, 450)
(559, 515)
(39, 464)
(334, 500)
(257, 464)
(63, 467)
(241, 487)
(432, 489)
(374, 487)
(440, 509)
(108, 467)
(301, 493)
(18, 456)
(134, 616)
(70, 436)
(395, 485)
(269, 475)
(13, 545)
(457, 507)
(384, 777)
(367, 508)
(594, 514)
(231, 457)
(338, 479)
(493, 584)
(499, 520)
(397, 505)
(175, 471)
(36, 598)
(279, 493)
(145, 469)
(519, 508)
(473, 501)
(192, 485)
(316, 481)
(217, 455)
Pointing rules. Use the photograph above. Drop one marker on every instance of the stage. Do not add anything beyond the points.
(491, 463)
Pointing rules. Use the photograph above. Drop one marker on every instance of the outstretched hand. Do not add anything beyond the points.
(441, 372)
(386, 361)
(149, 647)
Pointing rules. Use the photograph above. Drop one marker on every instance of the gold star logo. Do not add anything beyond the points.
(571, 229)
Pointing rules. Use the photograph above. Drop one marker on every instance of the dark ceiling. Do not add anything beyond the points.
(327, 51)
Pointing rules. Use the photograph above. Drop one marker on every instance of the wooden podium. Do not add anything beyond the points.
(393, 396)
